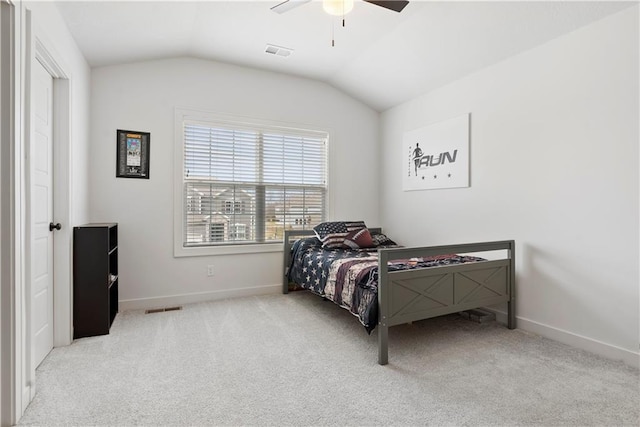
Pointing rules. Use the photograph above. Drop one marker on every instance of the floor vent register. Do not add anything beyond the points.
(161, 310)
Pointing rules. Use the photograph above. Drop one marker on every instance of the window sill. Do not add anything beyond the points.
(180, 251)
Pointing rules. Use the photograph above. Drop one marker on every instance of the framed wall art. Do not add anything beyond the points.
(437, 155)
(132, 159)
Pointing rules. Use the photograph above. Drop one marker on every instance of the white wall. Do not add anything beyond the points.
(142, 96)
(554, 165)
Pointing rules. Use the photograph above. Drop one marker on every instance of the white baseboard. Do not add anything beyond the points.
(172, 300)
(600, 348)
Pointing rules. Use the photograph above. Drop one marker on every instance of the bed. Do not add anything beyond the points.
(417, 283)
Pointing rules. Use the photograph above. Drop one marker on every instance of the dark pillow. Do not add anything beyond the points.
(380, 239)
(359, 239)
(333, 233)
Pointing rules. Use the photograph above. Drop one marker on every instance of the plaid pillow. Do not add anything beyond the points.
(332, 234)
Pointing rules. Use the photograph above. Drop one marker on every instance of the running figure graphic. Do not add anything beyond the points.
(417, 157)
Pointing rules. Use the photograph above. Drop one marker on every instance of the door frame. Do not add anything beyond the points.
(20, 45)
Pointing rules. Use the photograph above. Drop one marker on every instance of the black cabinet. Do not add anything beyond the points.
(95, 279)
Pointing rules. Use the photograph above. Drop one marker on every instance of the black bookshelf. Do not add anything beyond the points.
(95, 278)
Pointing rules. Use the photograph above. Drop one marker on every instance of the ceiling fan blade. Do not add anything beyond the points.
(396, 6)
(287, 5)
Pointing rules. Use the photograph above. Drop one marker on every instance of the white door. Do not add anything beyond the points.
(42, 215)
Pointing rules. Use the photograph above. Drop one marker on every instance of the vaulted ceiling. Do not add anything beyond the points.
(381, 57)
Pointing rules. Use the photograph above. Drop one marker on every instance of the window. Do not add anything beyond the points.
(232, 206)
(239, 232)
(245, 184)
(216, 232)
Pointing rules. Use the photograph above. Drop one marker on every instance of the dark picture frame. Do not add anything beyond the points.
(133, 151)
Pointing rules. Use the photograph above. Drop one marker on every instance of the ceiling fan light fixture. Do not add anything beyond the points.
(337, 7)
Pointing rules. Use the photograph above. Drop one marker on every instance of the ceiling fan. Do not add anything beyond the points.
(339, 7)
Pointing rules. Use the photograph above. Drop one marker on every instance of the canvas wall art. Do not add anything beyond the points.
(437, 156)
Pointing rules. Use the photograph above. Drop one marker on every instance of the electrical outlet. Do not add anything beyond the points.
(209, 270)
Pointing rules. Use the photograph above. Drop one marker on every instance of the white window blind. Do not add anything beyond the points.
(245, 184)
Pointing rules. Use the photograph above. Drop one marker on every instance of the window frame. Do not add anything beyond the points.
(208, 118)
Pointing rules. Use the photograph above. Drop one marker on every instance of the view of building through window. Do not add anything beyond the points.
(245, 186)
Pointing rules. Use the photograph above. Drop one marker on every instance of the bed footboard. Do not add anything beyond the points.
(407, 296)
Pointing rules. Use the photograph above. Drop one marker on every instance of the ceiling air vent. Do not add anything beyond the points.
(278, 50)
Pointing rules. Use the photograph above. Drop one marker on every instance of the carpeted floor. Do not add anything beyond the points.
(298, 360)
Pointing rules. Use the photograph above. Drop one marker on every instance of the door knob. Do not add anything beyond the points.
(53, 226)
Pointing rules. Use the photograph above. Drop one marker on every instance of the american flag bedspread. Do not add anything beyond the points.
(349, 277)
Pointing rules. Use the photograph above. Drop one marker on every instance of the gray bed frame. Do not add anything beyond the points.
(412, 295)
